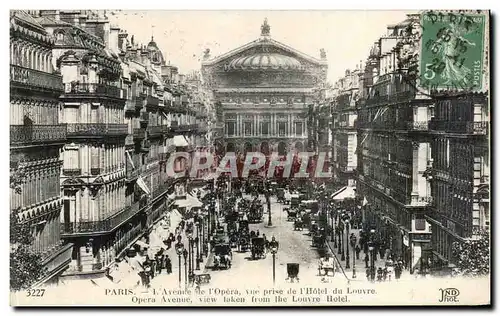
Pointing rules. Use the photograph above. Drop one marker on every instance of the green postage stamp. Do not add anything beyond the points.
(452, 50)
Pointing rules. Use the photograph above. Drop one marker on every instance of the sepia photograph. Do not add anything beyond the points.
(249, 158)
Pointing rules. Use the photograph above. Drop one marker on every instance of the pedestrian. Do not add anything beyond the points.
(367, 259)
(397, 271)
(380, 273)
(368, 274)
(159, 263)
(168, 264)
(152, 269)
(358, 250)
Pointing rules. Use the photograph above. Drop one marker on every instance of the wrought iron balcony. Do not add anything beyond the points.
(95, 171)
(35, 78)
(152, 101)
(159, 191)
(93, 89)
(72, 172)
(184, 128)
(139, 133)
(393, 98)
(418, 126)
(97, 129)
(155, 130)
(106, 225)
(132, 173)
(461, 127)
(139, 103)
(36, 134)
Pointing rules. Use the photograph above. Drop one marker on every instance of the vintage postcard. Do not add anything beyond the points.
(249, 158)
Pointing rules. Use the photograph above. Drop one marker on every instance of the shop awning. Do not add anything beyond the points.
(337, 192)
(130, 159)
(143, 185)
(189, 202)
(180, 141)
(345, 193)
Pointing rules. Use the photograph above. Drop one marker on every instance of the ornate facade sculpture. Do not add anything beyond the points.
(265, 29)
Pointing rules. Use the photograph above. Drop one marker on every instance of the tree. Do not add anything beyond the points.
(473, 256)
(26, 266)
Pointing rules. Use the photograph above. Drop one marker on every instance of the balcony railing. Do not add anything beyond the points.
(185, 128)
(160, 190)
(35, 78)
(132, 173)
(139, 103)
(27, 134)
(105, 225)
(95, 171)
(97, 129)
(155, 130)
(96, 89)
(418, 126)
(478, 128)
(72, 172)
(152, 101)
(139, 133)
(394, 98)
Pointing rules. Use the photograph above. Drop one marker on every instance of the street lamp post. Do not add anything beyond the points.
(353, 244)
(371, 248)
(191, 272)
(190, 252)
(179, 249)
(270, 221)
(185, 254)
(332, 215)
(198, 259)
(341, 247)
(347, 261)
(274, 245)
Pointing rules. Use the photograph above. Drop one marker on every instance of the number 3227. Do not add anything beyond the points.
(35, 292)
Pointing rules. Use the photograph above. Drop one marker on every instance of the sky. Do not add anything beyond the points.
(346, 36)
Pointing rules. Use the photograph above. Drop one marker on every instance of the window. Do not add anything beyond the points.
(282, 129)
(230, 128)
(265, 128)
(71, 160)
(248, 128)
(298, 128)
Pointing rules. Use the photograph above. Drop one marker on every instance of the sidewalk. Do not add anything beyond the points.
(172, 279)
(359, 265)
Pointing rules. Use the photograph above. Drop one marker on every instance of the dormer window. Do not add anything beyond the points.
(60, 36)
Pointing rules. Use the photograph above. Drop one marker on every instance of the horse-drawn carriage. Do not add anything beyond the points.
(319, 238)
(292, 270)
(326, 267)
(298, 224)
(222, 256)
(258, 248)
(256, 212)
(313, 228)
(291, 214)
(243, 235)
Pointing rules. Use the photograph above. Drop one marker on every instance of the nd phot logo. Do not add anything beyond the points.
(449, 295)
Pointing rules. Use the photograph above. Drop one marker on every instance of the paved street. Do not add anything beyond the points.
(294, 247)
